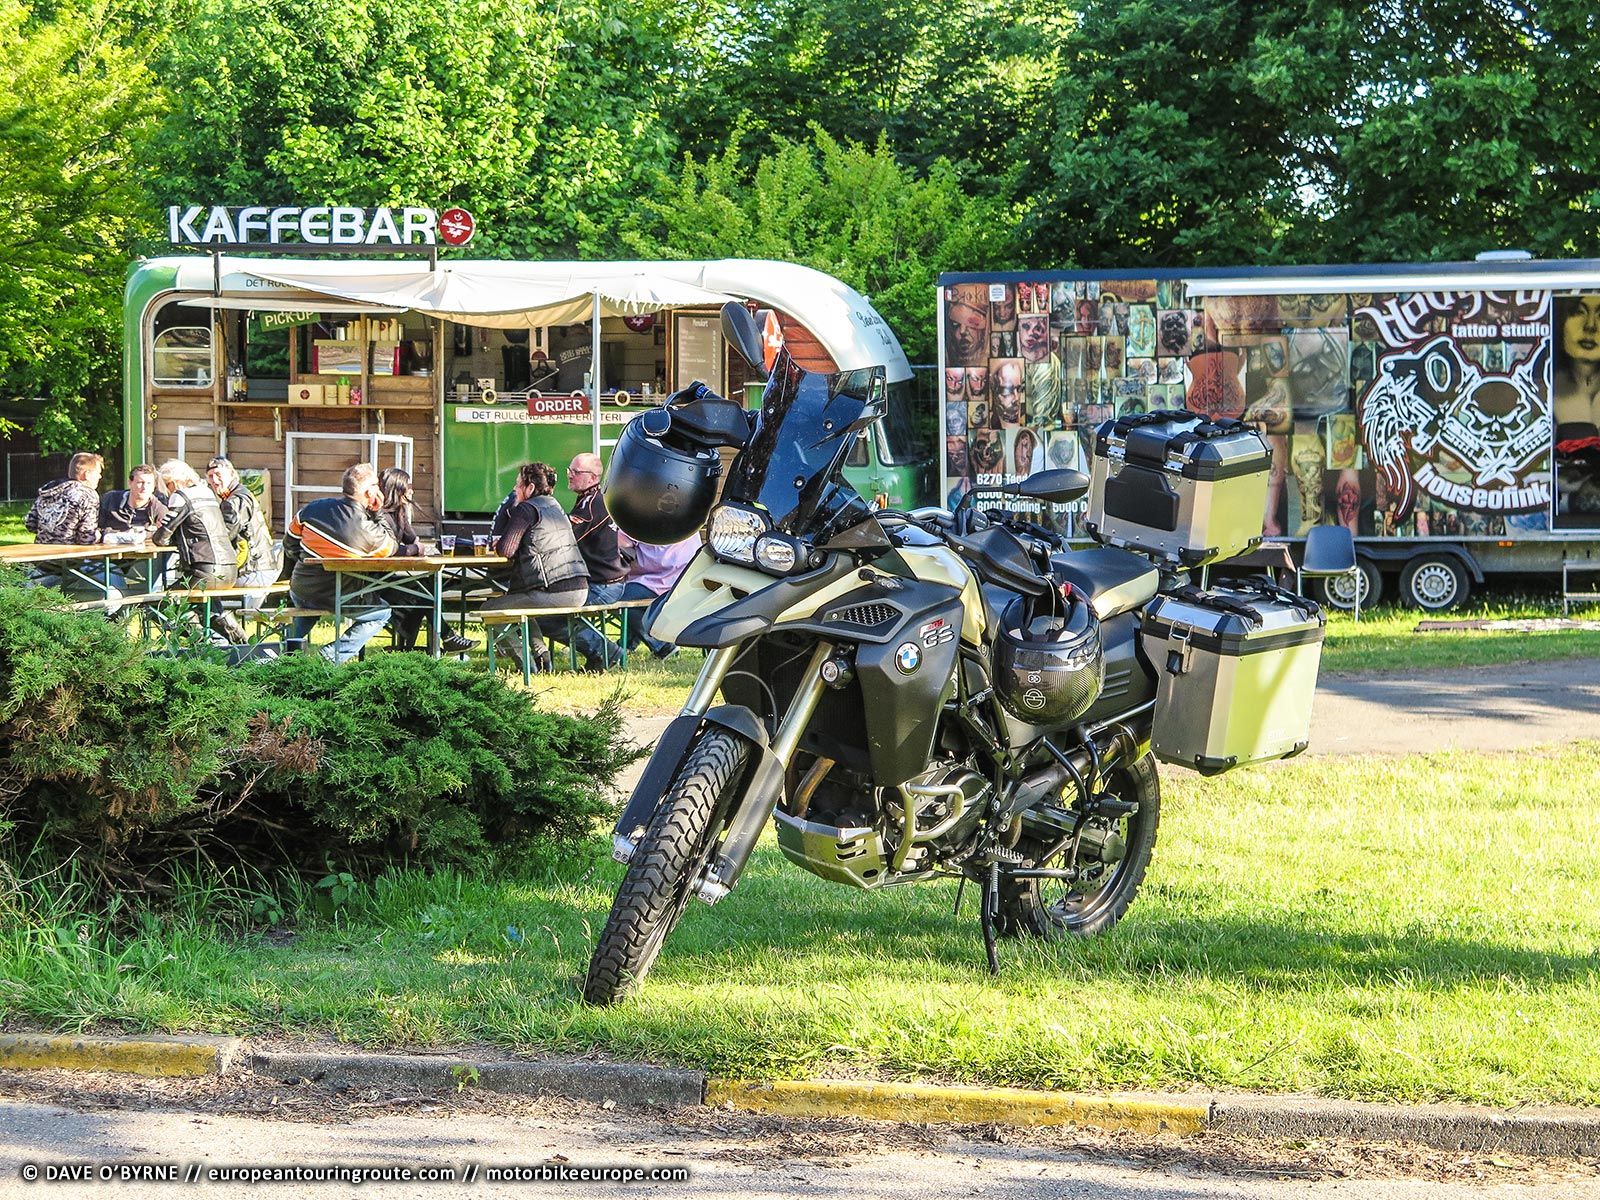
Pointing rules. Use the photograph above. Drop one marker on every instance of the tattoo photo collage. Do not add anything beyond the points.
(1032, 369)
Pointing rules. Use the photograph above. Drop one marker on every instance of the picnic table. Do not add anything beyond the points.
(421, 578)
(74, 559)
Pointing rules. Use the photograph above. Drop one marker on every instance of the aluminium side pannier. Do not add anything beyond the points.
(1237, 669)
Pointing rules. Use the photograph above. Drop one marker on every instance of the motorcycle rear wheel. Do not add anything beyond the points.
(1048, 908)
(675, 847)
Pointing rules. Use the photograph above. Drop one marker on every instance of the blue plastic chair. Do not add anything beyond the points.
(1330, 552)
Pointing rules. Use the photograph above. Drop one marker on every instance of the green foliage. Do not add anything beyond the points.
(98, 741)
(426, 758)
(1238, 133)
(842, 207)
(538, 118)
(77, 100)
(133, 761)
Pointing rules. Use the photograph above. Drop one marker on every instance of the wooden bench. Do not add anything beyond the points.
(592, 615)
(196, 597)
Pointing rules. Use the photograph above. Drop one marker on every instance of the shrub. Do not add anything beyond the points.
(129, 760)
(429, 759)
(99, 741)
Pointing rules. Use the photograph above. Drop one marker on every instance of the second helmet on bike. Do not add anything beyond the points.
(1048, 665)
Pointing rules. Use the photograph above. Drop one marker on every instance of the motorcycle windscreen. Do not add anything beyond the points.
(793, 464)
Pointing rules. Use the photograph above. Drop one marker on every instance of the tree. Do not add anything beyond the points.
(1186, 134)
(77, 101)
(1482, 131)
(1275, 132)
(841, 207)
(940, 80)
(541, 119)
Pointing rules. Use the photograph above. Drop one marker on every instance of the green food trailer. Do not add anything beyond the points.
(461, 371)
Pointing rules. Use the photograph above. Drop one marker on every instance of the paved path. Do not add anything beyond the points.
(726, 1160)
(1475, 708)
(1507, 707)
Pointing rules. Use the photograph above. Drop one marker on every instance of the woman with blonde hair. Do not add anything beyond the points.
(194, 525)
(247, 529)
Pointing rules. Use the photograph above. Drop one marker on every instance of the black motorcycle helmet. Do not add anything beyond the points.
(656, 491)
(1048, 665)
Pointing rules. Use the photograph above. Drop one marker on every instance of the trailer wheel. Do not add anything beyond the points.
(1340, 591)
(1435, 583)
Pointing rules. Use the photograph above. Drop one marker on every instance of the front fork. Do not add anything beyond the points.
(773, 759)
(767, 772)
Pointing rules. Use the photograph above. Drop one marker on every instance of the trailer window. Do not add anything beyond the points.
(909, 423)
(181, 348)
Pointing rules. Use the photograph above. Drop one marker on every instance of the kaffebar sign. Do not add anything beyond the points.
(331, 227)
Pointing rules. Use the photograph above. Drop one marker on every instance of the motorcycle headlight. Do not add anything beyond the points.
(776, 554)
(734, 531)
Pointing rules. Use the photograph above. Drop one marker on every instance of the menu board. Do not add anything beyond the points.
(698, 350)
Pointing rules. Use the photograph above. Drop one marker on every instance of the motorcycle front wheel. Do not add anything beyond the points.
(1054, 908)
(669, 857)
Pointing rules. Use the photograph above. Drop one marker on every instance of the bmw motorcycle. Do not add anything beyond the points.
(909, 696)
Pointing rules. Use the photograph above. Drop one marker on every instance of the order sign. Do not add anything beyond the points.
(575, 405)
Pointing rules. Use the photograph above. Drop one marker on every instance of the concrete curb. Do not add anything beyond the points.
(961, 1105)
(579, 1079)
(149, 1055)
(1563, 1132)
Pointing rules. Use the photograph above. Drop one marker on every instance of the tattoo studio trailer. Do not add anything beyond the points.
(461, 370)
(1446, 414)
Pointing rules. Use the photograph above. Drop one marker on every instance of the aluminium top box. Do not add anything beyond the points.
(1178, 486)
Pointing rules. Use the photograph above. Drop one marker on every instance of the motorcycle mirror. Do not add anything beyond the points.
(1057, 486)
(739, 327)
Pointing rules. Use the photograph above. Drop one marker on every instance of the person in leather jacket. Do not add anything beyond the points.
(346, 526)
(195, 526)
(546, 568)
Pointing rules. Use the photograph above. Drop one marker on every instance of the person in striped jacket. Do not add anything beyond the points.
(347, 526)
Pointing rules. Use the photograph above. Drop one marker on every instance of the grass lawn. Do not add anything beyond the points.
(1383, 640)
(1386, 639)
(12, 529)
(1412, 929)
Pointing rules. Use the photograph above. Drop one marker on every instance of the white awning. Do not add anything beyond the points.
(516, 295)
(502, 299)
(321, 304)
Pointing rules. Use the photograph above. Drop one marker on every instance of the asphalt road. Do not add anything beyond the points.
(1470, 708)
(747, 1162)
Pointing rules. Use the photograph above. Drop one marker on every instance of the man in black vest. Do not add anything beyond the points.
(596, 533)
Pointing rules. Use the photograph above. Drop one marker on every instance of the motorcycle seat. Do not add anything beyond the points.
(1114, 580)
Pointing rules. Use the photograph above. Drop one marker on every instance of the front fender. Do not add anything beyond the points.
(674, 744)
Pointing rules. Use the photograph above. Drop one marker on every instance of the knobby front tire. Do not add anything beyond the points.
(670, 855)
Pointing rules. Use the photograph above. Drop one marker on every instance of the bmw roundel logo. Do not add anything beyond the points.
(908, 657)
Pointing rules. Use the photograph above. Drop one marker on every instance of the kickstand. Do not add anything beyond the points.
(960, 887)
(987, 911)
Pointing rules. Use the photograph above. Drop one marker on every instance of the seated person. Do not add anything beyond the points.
(136, 508)
(395, 484)
(546, 568)
(67, 513)
(131, 515)
(655, 569)
(194, 526)
(247, 529)
(346, 526)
